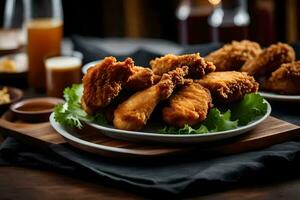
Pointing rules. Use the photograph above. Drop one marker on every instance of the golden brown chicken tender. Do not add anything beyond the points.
(141, 78)
(198, 66)
(189, 105)
(232, 56)
(103, 82)
(133, 113)
(229, 86)
(286, 79)
(269, 60)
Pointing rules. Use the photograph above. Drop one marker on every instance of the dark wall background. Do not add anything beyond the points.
(2, 3)
(83, 17)
(107, 18)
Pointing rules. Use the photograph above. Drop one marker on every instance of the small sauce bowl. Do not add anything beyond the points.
(36, 109)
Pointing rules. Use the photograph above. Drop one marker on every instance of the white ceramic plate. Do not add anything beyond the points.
(280, 97)
(149, 135)
(85, 67)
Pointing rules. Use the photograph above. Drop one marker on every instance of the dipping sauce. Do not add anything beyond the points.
(61, 72)
(35, 110)
(36, 106)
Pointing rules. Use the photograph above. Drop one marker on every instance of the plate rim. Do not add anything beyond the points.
(279, 97)
(104, 150)
(138, 133)
(72, 138)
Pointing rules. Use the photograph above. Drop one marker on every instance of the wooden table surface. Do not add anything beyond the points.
(23, 183)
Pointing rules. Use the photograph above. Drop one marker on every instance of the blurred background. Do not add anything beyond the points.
(182, 21)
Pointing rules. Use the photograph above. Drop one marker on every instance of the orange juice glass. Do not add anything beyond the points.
(44, 37)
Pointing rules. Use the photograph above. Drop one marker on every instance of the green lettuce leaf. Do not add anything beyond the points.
(217, 121)
(71, 113)
(249, 109)
(186, 130)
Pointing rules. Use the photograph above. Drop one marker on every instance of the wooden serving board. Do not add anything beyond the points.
(271, 131)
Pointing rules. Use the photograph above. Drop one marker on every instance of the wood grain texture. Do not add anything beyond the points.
(38, 184)
(270, 132)
(43, 184)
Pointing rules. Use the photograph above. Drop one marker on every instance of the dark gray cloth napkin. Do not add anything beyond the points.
(164, 176)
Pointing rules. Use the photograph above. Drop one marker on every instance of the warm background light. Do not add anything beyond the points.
(214, 2)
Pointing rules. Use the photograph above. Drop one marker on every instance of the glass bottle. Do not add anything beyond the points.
(192, 16)
(229, 21)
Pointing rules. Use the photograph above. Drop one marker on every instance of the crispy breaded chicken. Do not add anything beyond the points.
(142, 78)
(198, 66)
(286, 79)
(189, 105)
(103, 82)
(229, 86)
(232, 56)
(133, 113)
(269, 60)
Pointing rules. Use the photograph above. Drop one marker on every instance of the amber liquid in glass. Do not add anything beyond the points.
(44, 39)
(61, 72)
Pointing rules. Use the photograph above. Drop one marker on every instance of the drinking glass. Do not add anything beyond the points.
(62, 71)
(44, 22)
(12, 33)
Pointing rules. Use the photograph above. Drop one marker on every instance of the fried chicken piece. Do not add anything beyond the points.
(232, 56)
(229, 86)
(142, 78)
(198, 66)
(189, 105)
(133, 113)
(269, 60)
(103, 82)
(286, 79)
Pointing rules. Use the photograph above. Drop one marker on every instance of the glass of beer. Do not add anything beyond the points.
(44, 22)
(61, 72)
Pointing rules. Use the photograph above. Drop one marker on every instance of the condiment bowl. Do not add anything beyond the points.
(15, 95)
(35, 109)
